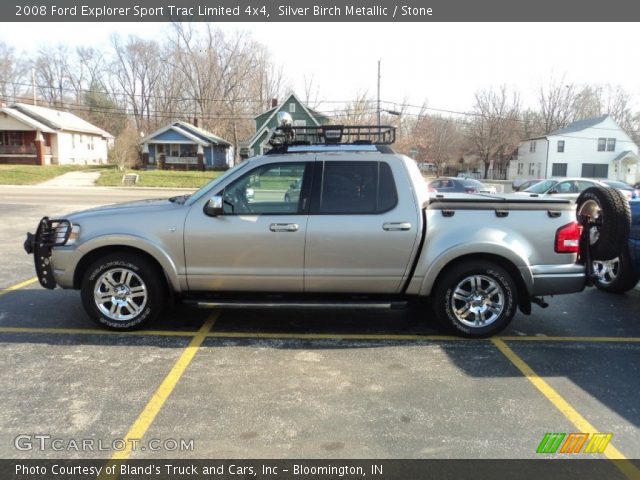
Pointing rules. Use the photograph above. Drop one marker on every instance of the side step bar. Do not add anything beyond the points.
(297, 304)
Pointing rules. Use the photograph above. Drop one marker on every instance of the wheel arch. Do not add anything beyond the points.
(524, 301)
(170, 276)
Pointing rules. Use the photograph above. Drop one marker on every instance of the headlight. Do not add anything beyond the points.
(73, 236)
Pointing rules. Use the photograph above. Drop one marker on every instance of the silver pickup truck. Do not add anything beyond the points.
(331, 223)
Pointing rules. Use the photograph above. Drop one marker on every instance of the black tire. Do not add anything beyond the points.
(128, 281)
(616, 275)
(609, 211)
(494, 288)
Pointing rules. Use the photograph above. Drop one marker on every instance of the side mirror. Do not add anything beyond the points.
(213, 207)
(553, 190)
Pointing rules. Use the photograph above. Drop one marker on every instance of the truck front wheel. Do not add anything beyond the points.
(122, 291)
(475, 299)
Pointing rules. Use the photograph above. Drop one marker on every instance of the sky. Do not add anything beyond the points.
(440, 63)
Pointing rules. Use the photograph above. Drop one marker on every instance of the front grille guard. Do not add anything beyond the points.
(50, 233)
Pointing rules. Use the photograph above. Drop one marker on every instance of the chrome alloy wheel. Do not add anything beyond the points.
(477, 301)
(120, 294)
(606, 271)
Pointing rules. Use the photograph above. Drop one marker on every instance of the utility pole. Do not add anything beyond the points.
(378, 93)
(33, 85)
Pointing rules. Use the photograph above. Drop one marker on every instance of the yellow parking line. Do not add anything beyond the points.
(153, 407)
(96, 331)
(18, 286)
(569, 339)
(333, 336)
(581, 423)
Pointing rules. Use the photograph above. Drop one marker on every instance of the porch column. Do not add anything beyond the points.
(145, 155)
(39, 148)
(200, 158)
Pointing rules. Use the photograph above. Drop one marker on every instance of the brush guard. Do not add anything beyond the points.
(50, 233)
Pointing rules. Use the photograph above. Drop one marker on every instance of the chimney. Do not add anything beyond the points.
(274, 102)
(195, 121)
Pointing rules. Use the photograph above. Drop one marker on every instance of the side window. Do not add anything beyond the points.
(272, 189)
(357, 188)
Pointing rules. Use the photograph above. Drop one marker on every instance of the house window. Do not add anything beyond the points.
(611, 144)
(602, 144)
(560, 146)
(160, 148)
(532, 169)
(532, 147)
(595, 170)
(292, 107)
(16, 138)
(520, 168)
(559, 170)
(175, 150)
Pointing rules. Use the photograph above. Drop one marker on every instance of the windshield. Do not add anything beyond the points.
(199, 193)
(541, 187)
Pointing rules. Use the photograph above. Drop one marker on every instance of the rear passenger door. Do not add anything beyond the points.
(362, 230)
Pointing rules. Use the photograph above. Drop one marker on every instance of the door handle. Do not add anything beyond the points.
(396, 226)
(283, 227)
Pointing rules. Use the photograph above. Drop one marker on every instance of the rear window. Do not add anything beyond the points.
(357, 188)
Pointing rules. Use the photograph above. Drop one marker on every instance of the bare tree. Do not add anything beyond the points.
(13, 74)
(136, 70)
(125, 152)
(556, 105)
(494, 132)
(52, 75)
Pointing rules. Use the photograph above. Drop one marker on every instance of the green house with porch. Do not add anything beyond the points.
(301, 115)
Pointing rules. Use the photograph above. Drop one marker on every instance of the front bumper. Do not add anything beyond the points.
(49, 234)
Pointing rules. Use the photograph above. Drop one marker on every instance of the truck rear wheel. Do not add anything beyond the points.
(608, 210)
(122, 291)
(475, 299)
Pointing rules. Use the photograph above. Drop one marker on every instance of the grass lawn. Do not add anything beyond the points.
(32, 174)
(159, 178)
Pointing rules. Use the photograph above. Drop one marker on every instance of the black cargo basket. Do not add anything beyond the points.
(333, 135)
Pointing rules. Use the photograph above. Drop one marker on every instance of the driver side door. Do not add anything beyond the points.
(258, 242)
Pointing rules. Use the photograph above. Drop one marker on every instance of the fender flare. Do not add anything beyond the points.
(138, 243)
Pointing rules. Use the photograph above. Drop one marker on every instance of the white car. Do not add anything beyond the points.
(569, 188)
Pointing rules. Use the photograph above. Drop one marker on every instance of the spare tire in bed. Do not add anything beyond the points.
(609, 211)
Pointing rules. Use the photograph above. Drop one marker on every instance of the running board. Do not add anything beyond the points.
(298, 304)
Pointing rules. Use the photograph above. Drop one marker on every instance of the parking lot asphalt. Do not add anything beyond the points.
(304, 384)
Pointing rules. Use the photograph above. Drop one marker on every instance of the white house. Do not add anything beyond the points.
(591, 148)
(33, 135)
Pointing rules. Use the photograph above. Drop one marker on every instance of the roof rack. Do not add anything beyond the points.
(287, 135)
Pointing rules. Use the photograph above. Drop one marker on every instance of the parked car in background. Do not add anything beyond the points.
(293, 194)
(622, 273)
(569, 188)
(627, 190)
(460, 185)
(525, 185)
